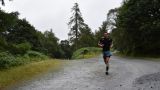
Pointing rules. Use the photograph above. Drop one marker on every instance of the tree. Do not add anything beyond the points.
(99, 33)
(111, 18)
(23, 32)
(76, 22)
(86, 38)
(7, 21)
(18, 36)
(3, 3)
(51, 43)
(138, 27)
(66, 48)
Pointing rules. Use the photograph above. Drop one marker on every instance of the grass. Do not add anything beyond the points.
(89, 55)
(90, 52)
(8, 60)
(18, 74)
(146, 57)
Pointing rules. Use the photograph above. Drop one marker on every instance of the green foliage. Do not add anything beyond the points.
(20, 48)
(18, 36)
(138, 28)
(78, 30)
(86, 38)
(7, 21)
(111, 18)
(66, 48)
(50, 44)
(7, 60)
(23, 32)
(76, 22)
(34, 54)
(100, 32)
(88, 52)
(80, 34)
(3, 44)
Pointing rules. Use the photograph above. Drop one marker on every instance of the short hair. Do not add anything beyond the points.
(106, 32)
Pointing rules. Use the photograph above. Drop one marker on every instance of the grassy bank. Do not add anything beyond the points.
(18, 74)
(88, 52)
(142, 56)
(8, 60)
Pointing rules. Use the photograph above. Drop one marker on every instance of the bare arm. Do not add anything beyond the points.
(100, 45)
(111, 45)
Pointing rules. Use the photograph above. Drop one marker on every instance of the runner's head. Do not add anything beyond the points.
(106, 34)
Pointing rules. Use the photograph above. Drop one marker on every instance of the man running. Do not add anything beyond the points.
(105, 43)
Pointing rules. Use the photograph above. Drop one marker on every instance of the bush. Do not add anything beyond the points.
(3, 44)
(87, 52)
(20, 48)
(34, 54)
(7, 60)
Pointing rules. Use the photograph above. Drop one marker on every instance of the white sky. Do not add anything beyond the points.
(55, 14)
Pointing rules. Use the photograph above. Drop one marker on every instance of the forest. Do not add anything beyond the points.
(134, 26)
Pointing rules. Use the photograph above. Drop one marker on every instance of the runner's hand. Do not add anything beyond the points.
(101, 45)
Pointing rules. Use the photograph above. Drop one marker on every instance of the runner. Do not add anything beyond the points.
(106, 43)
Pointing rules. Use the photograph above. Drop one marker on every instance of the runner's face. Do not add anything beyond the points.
(106, 35)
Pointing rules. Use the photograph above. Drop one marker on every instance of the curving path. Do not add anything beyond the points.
(125, 74)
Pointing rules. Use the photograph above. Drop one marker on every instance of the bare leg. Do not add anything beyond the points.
(107, 63)
(106, 60)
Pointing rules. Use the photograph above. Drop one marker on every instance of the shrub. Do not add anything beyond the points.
(34, 54)
(88, 51)
(6, 60)
(20, 48)
(3, 44)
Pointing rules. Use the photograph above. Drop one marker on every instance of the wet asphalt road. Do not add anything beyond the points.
(124, 74)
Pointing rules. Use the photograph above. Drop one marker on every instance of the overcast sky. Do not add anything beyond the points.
(55, 14)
